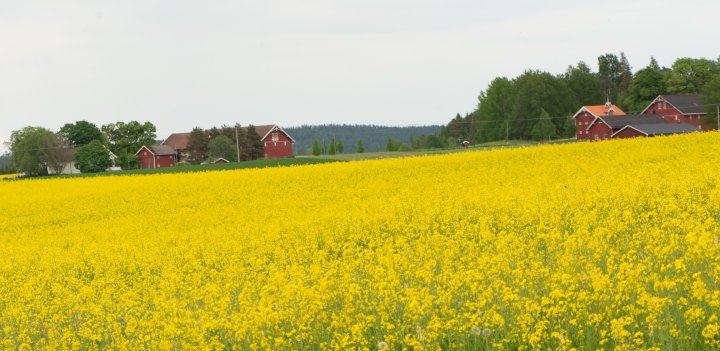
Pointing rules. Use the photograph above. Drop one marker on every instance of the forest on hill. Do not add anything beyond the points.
(372, 137)
(538, 104)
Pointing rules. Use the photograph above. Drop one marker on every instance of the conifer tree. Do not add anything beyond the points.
(315, 148)
(331, 151)
(359, 148)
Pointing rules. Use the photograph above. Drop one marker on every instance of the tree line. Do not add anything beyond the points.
(538, 105)
(37, 151)
(356, 138)
(224, 142)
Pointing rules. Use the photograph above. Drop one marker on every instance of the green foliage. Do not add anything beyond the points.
(689, 76)
(81, 133)
(544, 129)
(396, 145)
(647, 84)
(127, 138)
(331, 151)
(197, 146)
(323, 149)
(584, 84)
(374, 138)
(340, 146)
(359, 148)
(711, 100)
(222, 146)
(316, 148)
(93, 157)
(493, 111)
(37, 151)
(253, 143)
(533, 92)
(6, 164)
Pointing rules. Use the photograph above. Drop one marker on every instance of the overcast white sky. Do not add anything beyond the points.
(179, 63)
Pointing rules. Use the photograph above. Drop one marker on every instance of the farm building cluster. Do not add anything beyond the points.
(277, 143)
(667, 114)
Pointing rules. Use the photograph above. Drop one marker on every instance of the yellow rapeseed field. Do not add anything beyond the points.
(612, 245)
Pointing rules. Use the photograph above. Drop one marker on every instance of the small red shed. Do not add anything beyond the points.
(156, 156)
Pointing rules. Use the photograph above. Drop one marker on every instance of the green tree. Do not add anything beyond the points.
(255, 144)
(316, 148)
(584, 84)
(222, 146)
(609, 74)
(81, 133)
(544, 129)
(711, 100)
(689, 76)
(93, 157)
(394, 145)
(646, 85)
(534, 91)
(493, 111)
(37, 151)
(127, 138)
(6, 164)
(340, 147)
(197, 146)
(359, 148)
(323, 149)
(331, 151)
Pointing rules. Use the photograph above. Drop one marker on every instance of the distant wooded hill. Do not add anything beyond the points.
(374, 137)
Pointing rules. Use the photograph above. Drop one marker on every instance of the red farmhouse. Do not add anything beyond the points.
(588, 114)
(678, 109)
(156, 156)
(276, 142)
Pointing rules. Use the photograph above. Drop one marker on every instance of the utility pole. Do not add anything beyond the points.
(237, 142)
(507, 131)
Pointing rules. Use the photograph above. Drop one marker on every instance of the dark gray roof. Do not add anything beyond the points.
(664, 128)
(687, 104)
(162, 150)
(617, 122)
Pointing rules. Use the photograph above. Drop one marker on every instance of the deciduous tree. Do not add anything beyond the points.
(93, 157)
(81, 133)
(127, 138)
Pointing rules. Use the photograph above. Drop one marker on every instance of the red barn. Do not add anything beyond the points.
(604, 127)
(276, 142)
(156, 156)
(678, 109)
(588, 114)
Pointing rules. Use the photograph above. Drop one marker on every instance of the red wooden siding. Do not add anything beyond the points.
(599, 131)
(277, 145)
(628, 133)
(673, 115)
(148, 160)
(582, 121)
